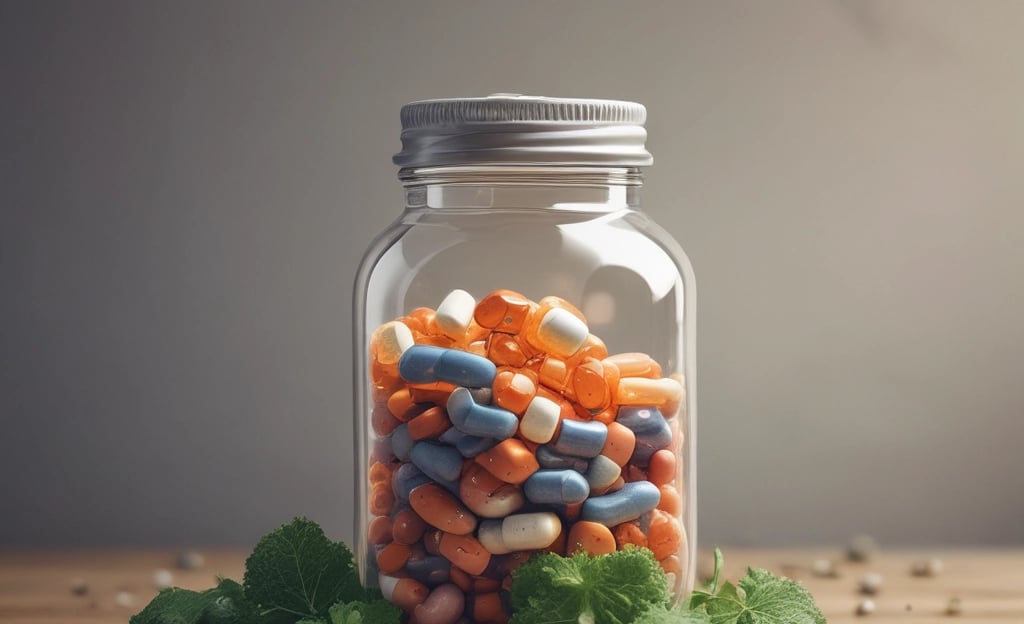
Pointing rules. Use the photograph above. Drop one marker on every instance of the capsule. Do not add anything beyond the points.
(503, 311)
(488, 496)
(480, 420)
(642, 391)
(405, 479)
(444, 605)
(429, 424)
(513, 390)
(540, 420)
(427, 364)
(405, 593)
(602, 472)
(581, 439)
(455, 313)
(556, 486)
(439, 462)
(592, 538)
(548, 457)
(441, 510)
(390, 341)
(629, 503)
(465, 552)
(528, 531)
(511, 461)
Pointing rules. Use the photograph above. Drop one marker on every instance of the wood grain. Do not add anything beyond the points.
(35, 587)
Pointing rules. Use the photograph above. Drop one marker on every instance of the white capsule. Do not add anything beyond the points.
(530, 531)
(391, 340)
(540, 420)
(490, 535)
(455, 313)
(387, 585)
(561, 332)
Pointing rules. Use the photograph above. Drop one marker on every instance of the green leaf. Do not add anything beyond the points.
(296, 572)
(371, 612)
(681, 615)
(224, 604)
(607, 589)
(719, 564)
(760, 597)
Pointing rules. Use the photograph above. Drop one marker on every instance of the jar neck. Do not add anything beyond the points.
(541, 187)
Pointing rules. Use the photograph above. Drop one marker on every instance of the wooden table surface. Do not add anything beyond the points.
(35, 587)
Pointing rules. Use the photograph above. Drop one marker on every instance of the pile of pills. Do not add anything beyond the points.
(504, 428)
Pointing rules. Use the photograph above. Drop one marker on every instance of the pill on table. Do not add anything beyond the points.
(408, 527)
(465, 552)
(548, 457)
(556, 486)
(662, 467)
(602, 472)
(510, 460)
(480, 420)
(405, 593)
(632, 501)
(444, 605)
(441, 510)
(642, 391)
(540, 420)
(392, 557)
(582, 439)
(426, 364)
(513, 390)
(503, 311)
(429, 424)
(437, 461)
(592, 538)
(390, 340)
(651, 430)
(454, 313)
(487, 495)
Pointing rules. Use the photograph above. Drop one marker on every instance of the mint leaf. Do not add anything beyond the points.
(663, 615)
(296, 572)
(760, 597)
(372, 612)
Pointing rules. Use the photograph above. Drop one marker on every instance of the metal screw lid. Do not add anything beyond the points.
(508, 128)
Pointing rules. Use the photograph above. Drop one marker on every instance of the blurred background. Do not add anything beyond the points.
(186, 189)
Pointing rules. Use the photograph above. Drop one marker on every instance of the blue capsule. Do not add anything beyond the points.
(427, 364)
(632, 501)
(651, 429)
(406, 479)
(401, 442)
(581, 439)
(470, 446)
(548, 457)
(556, 486)
(480, 420)
(439, 462)
(431, 570)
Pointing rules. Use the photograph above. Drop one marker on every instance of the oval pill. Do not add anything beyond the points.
(440, 509)
(530, 531)
(408, 527)
(540, 421)
(662, 467)
(557, 486)
(602, 472)
(592, 538)
(490, 536)
(426, 364)
(392, 557)
(488, 496)
(629, 503)
(444, 605)
(405, 479)
(465, 552)
(582, 439)
(510, 460)
(405, 593)
(643, 391)
(437, 461)
(560, 332)
(455, 312)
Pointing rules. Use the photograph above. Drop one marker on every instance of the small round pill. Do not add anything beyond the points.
(824, 568)
(926, 567)
(861, 548)
(870, 583)
(191, 560)
(865, 607)
(79, 586)
(954, 607)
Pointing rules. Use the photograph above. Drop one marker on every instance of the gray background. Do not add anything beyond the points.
(186, 188)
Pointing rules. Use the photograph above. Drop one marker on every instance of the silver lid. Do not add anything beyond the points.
(521, 129)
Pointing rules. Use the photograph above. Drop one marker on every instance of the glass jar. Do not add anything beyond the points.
(524, 356)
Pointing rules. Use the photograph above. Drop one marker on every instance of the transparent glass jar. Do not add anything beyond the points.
(524, 357)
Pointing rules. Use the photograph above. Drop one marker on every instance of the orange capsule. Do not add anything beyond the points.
(432, 542)
(672, 565)
(462, 580)
(508, 350)
(392, 557)
(664, 535)
(555, 374)
(671, 500)
(487, 608)
(381, 499)
(477, 347)
(380, 531)
(382, 420)
(402, 406)
(677, 406)
(662, 468)
(592, 538)
(643, 391)
(620, 443)
(629, 533)
(593, 347)
(511, 461)
(590, 386)
(514, 390)
(567, 408)
(485, 584)
(465, 552)
(503, 311)
(408, 527)
(429, 424)
(436, 392)
(405, 593)
(440, 509)
(419, 320)
(379, 473)
(487, 495)
(636, 365)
